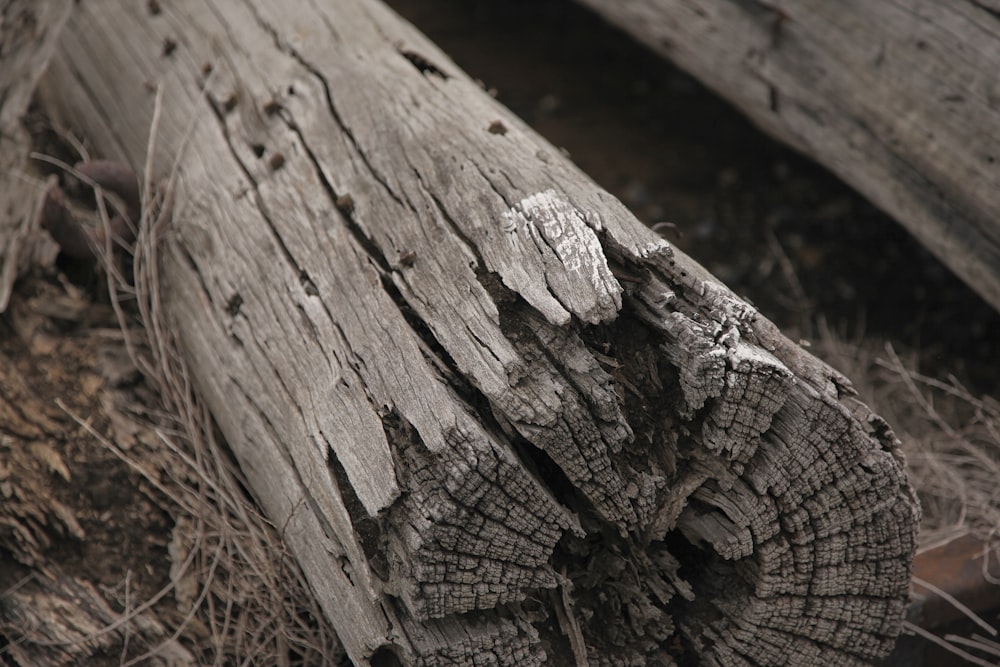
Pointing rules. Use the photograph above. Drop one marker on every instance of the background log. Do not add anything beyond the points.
(899, 99)
(456, 373)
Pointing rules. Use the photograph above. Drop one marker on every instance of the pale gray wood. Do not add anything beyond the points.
(899, 98)
(28, 33)
(452, 367)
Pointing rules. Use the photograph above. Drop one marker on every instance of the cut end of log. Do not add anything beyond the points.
(682, 477)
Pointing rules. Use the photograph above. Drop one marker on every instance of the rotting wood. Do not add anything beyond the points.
(51, 614)
(28, 34)
(411, 332)
(59, 621)
(900, 99)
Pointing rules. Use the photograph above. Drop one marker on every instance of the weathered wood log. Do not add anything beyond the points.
(456, 373)
(899, 99)
(28, 32)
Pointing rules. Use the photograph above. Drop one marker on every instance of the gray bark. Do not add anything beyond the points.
(457, 373)
(900, 99)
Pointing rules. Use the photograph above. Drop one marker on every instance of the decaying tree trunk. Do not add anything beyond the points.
(899, 99)
(487, 409)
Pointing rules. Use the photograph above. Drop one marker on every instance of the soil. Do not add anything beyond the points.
(775, 227)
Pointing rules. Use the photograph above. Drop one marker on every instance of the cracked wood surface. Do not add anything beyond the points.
(899, 98)
(457, 373)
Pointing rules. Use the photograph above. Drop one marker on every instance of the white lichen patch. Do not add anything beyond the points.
(733, 310)
(560, 229)
(657, 248)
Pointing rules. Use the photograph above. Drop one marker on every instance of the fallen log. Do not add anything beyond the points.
(457, 374)
(898, 99)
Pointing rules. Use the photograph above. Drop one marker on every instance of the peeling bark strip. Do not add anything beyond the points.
(442, 439)
(897, 97)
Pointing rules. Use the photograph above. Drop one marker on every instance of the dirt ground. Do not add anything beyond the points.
(776, 228)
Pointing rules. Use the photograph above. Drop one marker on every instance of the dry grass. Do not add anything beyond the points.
(951, 439)
(243, 598)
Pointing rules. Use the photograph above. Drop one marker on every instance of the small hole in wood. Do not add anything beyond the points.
(307, 284)
(346, 204)
(276, 161)
(407, 257)
(233, 305)
(272, 107)
(386, 656)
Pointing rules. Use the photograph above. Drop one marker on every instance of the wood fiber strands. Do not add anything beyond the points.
(488, 407)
